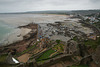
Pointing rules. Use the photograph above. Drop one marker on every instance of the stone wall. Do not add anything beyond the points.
(46, 63)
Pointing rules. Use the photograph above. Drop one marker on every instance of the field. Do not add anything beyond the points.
(59, 48)
(46, 55)
(92, 43)
(3, 58)
(89, 42)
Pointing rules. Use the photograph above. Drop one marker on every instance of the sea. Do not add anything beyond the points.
(5, 30)
(10, 22)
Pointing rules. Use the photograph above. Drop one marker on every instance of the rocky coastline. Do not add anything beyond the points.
(65, 40)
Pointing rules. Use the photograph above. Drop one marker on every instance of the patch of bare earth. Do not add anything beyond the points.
(24, 58)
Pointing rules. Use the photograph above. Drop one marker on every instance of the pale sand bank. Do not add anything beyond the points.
(23, 19)
(17, 35)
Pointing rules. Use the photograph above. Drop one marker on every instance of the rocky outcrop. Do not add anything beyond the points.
(9, 59)
(86, 60)
(74, 48)
(71, 47)
(29, 26)
(83, 50)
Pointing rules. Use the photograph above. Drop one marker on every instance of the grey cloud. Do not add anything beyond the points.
(95, 1)
(31, 5)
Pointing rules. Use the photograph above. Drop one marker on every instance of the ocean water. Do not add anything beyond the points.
(10, 22)
(5, 30)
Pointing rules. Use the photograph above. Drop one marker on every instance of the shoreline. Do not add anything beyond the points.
(69, 22)
(16, 36)
(44, 18)
(41, 35)
(26, 31)
(24, 34)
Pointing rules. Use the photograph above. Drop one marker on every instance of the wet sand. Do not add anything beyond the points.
(23, 19)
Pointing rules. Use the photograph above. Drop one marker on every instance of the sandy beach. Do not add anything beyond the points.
(23, 19)
(15, 20)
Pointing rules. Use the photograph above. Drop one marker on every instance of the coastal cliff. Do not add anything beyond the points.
(61, 44)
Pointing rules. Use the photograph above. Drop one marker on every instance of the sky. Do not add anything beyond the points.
(42, 5)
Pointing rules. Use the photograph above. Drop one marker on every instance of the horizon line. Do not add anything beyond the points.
(46, 10)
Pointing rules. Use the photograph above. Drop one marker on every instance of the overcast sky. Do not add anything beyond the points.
(39, 5)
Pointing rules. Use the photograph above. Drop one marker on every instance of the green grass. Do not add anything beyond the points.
(92, 43)
(3, 58)
(42, 61)
(46, 55)
(18, 54)
(80, 66)
(59, 47)
(28, 49)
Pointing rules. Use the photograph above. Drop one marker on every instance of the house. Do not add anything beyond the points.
(93, 37)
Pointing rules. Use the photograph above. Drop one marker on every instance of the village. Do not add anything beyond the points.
(60, 44)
